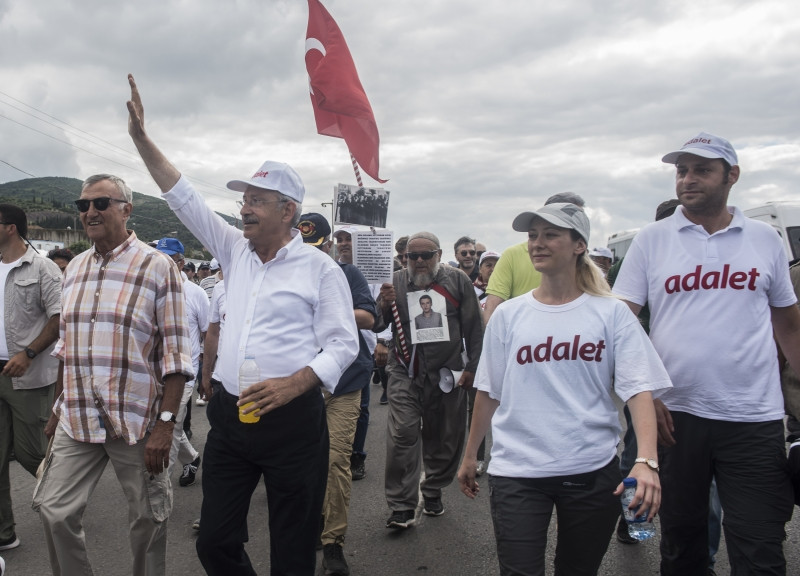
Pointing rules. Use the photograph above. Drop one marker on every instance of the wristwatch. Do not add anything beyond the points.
(167, 416)
(652, 464)
(30, 353)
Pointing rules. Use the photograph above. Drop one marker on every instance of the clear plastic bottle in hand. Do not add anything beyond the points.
(249, 374)
(638, 526)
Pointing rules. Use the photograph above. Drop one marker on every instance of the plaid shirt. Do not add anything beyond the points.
(122, 331)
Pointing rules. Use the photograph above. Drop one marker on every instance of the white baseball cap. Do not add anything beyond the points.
(349, 229)
(705, 145)
(274, 176)
(214, 265)
(488, 254)
(602, 252)
(562, 214)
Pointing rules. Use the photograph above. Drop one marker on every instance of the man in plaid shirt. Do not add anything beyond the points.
(124, 355)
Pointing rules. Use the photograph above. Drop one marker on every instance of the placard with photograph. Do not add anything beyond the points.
(360, 205)
(427, 311)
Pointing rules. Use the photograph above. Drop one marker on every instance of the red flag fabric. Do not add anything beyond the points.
(341, 107)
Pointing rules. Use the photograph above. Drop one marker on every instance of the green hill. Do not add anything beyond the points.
(48, 202)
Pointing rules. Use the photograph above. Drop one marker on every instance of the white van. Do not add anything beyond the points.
(784, 217)
(620, 242)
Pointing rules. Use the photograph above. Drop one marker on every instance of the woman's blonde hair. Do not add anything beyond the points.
(588, 276)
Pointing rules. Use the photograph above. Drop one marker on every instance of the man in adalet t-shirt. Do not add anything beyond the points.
(717, 284)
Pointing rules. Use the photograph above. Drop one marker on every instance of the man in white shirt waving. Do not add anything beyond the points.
(288, 308)
(714, 280)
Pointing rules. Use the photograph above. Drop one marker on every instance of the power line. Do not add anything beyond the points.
(213, 189)
(18, 169)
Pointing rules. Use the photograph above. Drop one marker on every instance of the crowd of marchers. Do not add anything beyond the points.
(281, 334)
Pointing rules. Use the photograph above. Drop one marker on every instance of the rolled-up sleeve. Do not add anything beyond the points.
(335, 329)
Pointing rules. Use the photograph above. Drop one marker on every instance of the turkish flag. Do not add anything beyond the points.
(341, 107)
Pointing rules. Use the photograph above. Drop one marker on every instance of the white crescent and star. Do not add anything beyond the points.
(314, 44)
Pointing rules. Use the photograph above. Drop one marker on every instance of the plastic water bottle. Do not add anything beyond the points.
(249, 374)
(638, 526)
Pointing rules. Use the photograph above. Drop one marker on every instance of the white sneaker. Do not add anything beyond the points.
(200, 401)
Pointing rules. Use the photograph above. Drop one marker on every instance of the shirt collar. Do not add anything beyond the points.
(119, 250)
(287, 250)
(682, 222)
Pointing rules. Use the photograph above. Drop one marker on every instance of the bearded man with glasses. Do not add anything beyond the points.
(414, 373)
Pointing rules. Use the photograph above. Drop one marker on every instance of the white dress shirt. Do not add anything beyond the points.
(293, 311)
(196, 306)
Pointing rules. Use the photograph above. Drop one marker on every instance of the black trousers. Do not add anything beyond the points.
(748, 460)
(587, 513)
(289, 448)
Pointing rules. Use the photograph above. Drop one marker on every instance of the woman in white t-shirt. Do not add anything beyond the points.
(550, 362)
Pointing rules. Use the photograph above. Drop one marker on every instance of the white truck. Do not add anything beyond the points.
(784, 217)
(620, 242)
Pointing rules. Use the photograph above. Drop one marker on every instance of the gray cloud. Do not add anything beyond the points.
(484, 109)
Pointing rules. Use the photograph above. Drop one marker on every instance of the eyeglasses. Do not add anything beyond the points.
(465, 252)
(100, 204)
(423, 255)
(257, 202)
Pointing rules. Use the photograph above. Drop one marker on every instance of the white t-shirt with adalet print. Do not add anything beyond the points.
(710, 298)
(551, 368)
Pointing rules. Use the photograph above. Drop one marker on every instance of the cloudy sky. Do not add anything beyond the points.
(484, 109)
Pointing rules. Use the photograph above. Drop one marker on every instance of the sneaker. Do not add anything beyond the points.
(333, 561)
(357, 467)
(481, 468)
(384, 399)
(433, 507)
(201, 401)
(189, 473)
(2, 566)
(9, 543)
(196, 525)
(401, 519)
(622, 533)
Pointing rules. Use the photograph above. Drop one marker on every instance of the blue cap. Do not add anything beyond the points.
(170, 246)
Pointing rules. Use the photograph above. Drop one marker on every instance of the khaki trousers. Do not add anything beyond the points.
(67, 484)
(23, 415)
(425, 426)
(342, 415)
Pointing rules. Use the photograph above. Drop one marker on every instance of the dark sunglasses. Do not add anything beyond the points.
(100, 204)
(423, 255)
(465, 252)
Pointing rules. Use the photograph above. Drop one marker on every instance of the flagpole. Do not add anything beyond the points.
(401, 337)
(357, 171)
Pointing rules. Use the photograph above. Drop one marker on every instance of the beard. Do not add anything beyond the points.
(423, 279)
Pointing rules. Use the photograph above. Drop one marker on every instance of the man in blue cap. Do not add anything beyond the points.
(196, 307)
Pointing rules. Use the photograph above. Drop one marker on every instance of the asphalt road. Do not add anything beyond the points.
(461, 542)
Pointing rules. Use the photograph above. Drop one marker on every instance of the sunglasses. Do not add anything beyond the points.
(465, 252)
(423, 255)
(100, 204)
